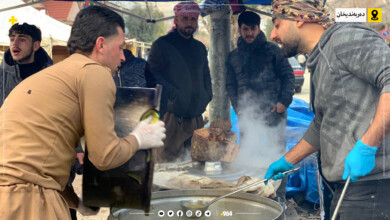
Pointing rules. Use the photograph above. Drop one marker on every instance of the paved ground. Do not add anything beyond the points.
(103, 213)
(303, 211)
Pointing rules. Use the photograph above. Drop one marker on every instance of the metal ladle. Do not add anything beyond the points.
(341, 198)
(202, 206)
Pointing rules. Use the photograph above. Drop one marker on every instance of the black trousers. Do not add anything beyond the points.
(363, 200)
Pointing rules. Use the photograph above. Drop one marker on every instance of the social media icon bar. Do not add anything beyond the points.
(189, 213)
(179, 213)
(207, 213)
(161, 213)
(170, 213)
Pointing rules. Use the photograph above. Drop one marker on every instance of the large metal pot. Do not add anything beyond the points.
(237, 206)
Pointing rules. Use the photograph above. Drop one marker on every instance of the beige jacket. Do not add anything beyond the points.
(43, 118)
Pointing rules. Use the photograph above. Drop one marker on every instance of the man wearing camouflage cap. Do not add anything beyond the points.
(179, 63)
(350, 69)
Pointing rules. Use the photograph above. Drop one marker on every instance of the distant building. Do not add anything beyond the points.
(64, 11)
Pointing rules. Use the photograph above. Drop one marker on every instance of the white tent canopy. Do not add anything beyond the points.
(51, 28)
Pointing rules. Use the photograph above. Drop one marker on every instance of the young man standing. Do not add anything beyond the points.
(259, 77)
(257, 68)
(24, 57)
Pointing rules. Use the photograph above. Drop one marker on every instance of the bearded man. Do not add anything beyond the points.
(179, 63)
(349, 66)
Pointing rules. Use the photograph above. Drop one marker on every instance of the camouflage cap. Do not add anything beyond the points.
(311, 11)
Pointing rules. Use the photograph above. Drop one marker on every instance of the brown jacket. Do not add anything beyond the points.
(44, 117)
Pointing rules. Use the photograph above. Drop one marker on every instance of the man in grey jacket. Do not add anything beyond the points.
(350, 69)
(23, 58)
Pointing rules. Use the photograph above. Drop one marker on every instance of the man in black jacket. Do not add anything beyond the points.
(257, 68)
(134, 72)
(179, 63)
(23, 58)
(259, 80)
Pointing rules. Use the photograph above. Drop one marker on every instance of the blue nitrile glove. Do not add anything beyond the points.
(276, 168)
(360, 161)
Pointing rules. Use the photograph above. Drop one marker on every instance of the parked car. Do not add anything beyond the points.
(298, 73)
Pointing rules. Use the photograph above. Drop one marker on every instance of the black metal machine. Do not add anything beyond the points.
(127, 186)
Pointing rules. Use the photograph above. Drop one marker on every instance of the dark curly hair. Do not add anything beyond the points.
(248, 18)
(27, 29)
(91, 23)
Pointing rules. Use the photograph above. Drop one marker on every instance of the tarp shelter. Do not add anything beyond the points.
(208, 2)
(55, 34)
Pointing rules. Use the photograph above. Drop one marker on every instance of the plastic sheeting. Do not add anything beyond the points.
(304, 181)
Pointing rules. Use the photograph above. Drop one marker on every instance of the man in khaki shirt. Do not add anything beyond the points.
(44, 117)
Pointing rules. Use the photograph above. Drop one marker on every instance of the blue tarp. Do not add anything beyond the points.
(298, 120)
(304, 181)
(258, 2)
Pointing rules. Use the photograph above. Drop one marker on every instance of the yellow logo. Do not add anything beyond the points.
(374, 14)
(13, 20)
